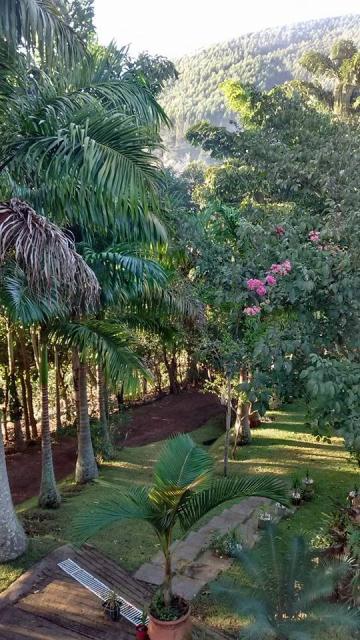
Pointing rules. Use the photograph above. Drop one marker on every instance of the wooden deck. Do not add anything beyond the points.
(46, 604)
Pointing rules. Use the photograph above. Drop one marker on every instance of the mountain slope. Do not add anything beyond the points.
(265, 58)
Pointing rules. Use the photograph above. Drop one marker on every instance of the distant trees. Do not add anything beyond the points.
(264, 59)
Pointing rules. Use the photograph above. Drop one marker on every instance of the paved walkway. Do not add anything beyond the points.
(194, 564)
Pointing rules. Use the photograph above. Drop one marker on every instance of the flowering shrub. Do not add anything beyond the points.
(254, 284)
(279, 230)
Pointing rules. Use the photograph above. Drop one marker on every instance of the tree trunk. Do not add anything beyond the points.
(86, 467)
(49, 497)
(57, 392)
(120, 398)
(76, 380)
(246, 435)
(25, 407)
(102, 411)
(171, 367)
(28, 385)
(228, 427)
(64, 396)
(15, 409)
(13, 540)
(6, 406)
(192, 375)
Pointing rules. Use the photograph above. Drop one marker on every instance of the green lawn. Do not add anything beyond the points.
(283, 447)
(286, 447)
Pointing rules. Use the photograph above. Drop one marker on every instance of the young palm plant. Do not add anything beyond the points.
(287, 597)
(183, 491)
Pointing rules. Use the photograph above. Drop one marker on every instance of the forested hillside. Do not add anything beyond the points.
(266, 58)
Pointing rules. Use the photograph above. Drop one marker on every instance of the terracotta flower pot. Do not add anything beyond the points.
(174, 630)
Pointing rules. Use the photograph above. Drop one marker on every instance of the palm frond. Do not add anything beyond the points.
(38, 25)
(182, 465)
(46, 255)
(21, 304)
(224, 489)
(132, 505)
(110, 345)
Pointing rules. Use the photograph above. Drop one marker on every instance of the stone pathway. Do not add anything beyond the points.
(194, 565)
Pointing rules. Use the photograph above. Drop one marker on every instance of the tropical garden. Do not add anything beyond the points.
(234, 282)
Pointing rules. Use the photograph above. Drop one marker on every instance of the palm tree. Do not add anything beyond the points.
(289, 596)
(342, 66)
(183, 491)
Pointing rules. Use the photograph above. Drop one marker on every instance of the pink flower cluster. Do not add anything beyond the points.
(259, 286)
(256, 285)
(281, 269)
(279, 230)
(252, 311)
(314, 236)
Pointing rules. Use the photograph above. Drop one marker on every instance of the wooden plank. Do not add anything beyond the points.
(73, 608)
(19, 625)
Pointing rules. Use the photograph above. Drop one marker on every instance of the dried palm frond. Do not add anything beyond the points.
(46, 255)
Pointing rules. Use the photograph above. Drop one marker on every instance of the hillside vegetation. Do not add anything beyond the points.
(266, 58)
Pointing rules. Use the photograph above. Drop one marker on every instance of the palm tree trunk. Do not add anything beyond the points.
(13, 540)
(228, 427)
(57, 391)
(86, 467)
(102, 411)
(6, 406)
(15, 410)
(76, 381)
(25, 407)
(167, 586)
(28, 386)
(49, 497)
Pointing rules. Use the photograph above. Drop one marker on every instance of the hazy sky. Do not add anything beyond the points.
(176, 27)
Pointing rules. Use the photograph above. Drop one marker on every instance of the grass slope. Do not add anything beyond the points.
(283, 447)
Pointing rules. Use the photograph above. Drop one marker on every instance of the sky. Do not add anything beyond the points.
(174, 28)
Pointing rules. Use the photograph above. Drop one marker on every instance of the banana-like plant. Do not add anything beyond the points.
(183, 491)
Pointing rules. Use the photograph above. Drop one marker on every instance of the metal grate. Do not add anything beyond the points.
(128, 611)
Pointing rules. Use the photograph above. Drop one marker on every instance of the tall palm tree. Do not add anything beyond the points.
(183, 491)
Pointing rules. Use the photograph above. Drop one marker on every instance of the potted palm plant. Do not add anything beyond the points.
(296, 492)
(183, 491)
(112, 606)
(308, 490)
(288, 593)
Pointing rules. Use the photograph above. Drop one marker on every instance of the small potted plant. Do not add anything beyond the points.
(141, 629)
(264, 518)
(308, 487)
(296, 493)
(112, 606)
(353, 494)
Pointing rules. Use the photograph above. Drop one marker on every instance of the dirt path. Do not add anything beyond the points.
(150, 423)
